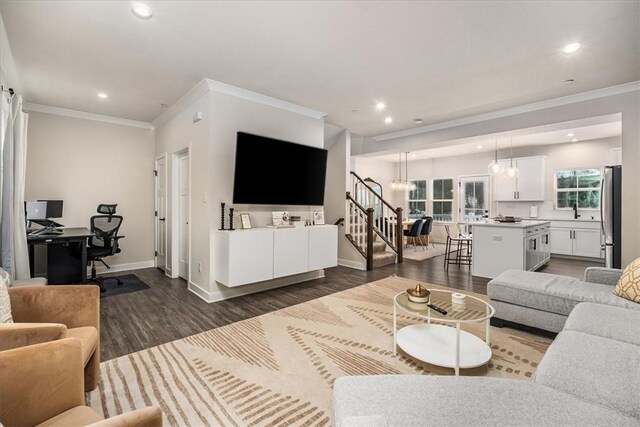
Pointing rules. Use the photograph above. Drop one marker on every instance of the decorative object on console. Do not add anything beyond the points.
(280, 218)
(419, 294)
(222, 216)
(318, 217)
(231, 219)
(628, 286)
(296, 221)
(245, 220)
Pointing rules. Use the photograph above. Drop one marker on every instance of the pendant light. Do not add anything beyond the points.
(396, 184)
(494, 167)
(403, 184)
(512, 171)
(411, 186)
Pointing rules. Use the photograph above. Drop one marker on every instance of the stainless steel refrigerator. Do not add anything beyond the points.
(611, 215)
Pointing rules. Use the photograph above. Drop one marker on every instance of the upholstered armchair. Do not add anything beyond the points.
(47, 313)
(43, 385)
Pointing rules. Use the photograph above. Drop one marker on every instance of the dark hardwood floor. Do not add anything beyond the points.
(168, 311)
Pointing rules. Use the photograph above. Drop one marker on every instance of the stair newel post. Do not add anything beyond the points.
(370, 238)
(399, 234)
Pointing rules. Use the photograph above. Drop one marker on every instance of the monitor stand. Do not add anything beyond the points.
(49, 227)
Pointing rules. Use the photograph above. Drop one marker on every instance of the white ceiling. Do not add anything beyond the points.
(595, 128)
(434, 60)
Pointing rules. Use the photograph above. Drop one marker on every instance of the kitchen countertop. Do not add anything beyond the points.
(523, 224)
(565, 219)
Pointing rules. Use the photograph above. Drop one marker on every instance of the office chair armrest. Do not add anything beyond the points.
(14, 335)
(145, 417)
(71, 305)
(41, 381)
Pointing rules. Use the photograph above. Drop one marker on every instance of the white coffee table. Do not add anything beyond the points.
(444, 343)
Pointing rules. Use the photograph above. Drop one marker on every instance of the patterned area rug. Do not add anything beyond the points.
(279, 368)
(418, 253)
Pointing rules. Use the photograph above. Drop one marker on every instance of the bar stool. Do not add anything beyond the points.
(462, 252)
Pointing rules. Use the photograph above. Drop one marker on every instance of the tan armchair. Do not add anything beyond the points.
(42, 385)
(46, 313)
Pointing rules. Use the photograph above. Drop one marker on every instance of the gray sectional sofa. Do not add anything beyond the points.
(543, 301)
(589, 376)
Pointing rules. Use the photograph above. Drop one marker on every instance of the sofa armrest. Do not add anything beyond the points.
(14, 335)
(72, 305)
(605, 276)
(145, 417)
(41, 381)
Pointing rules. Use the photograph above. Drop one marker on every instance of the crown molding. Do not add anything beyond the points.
(237, 92)
(208, 85)
(549, 103)
(38, 108)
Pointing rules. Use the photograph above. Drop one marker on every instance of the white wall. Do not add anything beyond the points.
(625, 100)
(212, 144)
(87, 162)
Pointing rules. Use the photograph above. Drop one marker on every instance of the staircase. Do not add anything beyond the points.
(372, 224)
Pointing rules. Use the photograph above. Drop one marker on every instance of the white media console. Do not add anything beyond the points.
(259, 254)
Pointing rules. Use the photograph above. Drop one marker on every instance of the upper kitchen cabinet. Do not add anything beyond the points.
(527, 187)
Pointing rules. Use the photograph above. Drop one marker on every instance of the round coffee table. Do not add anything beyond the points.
(440, 341)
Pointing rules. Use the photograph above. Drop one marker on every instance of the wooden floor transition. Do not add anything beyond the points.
(168, 311)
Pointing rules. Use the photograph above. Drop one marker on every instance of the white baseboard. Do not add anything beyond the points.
(228, 293)
(116, 268)
(352, 264)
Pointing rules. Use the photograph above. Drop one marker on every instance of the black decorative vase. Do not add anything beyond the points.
(231, 219)
(222, 216)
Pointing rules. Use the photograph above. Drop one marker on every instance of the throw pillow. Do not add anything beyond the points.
(5, 302)
(628, 286)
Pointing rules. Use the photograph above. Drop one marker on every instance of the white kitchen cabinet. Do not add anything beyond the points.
(528, 186)
(576, 238)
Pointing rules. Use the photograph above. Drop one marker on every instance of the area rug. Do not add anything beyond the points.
(420, 254)
(279, 368)
(130, 283)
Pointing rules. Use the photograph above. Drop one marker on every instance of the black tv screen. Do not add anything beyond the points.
(273, 172)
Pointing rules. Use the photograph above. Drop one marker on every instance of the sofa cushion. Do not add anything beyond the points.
(628, 285)
(598, 370)
(419, 400)
(78, 416)
(88, 336)
(605, 321)
(550, 292)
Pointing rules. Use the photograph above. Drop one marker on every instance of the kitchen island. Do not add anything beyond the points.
(500, 246)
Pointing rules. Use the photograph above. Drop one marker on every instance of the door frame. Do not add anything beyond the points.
(175, 206)
(156, 220)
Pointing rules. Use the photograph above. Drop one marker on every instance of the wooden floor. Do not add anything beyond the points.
(168, 311)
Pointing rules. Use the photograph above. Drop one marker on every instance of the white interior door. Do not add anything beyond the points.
(161, 212)
(183, 216)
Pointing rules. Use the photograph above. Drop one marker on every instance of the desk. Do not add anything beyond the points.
(64, 264)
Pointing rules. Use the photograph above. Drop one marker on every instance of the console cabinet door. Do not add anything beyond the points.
(290, 251)
(323, 246)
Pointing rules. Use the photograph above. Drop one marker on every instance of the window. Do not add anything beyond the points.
(580, 186)
(442, 200)
(474, 197)
(418, 199)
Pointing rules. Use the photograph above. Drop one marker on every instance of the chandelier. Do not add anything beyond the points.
(400, 184)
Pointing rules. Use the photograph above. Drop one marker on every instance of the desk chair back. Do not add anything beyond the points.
(105, 228)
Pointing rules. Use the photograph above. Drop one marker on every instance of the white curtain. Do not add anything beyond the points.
(13, 236)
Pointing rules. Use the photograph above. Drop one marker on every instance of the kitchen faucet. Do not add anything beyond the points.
(575, 211)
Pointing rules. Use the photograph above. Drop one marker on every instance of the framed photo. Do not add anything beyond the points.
(318, 217)
(245, 220)
(280, 218)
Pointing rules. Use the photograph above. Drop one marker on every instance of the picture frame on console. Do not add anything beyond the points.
(318, 217)
(280, 218)
(245, 220)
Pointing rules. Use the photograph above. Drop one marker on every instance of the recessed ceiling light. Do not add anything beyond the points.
(388, 120)
(163, 105)
(572, 47)
(571, 134)
(418, 121)
(380, 106)
(142, 11)
(102, 95)
(569, 81)
(479, 147)
(574, 140)
(354, 111)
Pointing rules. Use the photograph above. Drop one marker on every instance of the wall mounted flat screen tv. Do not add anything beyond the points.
(274, 172)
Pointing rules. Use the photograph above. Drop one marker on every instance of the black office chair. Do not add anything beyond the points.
(104, 243)
(414, 233)
(426, 231)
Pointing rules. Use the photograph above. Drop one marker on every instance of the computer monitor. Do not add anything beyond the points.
(54, 208)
